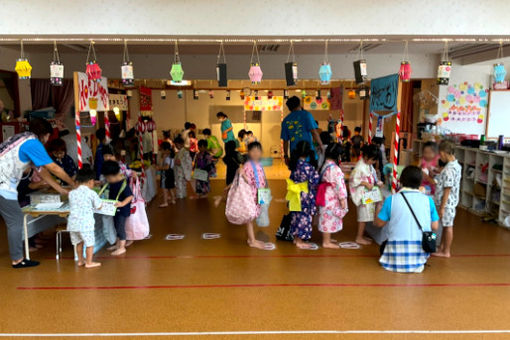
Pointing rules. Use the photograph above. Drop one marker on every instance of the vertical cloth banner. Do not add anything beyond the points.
(379, 128)
(336, 100)
(145, 100)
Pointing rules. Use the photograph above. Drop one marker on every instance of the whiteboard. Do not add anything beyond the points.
(498, 122)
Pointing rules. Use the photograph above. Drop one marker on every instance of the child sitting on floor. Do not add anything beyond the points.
(363, 178)
(120, 191)
(82, 202)
(204, 163)
(167, 174)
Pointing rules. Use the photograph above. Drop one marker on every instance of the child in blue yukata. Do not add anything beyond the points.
(82, 202)
(120, 191)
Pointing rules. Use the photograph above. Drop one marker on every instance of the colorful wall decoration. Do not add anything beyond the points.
(314, 103)
(263, 103)
(464, 108)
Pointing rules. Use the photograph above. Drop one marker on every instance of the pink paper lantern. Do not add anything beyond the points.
(405, 71)
(93, 71)
(255, 73)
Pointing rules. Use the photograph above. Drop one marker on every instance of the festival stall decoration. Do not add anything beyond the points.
(221, 67)
(23, 67)
(93, 70)
(445, 67)
(180, 94)
(318, 97)
(211, 94)
(195, 94)
(126, 70)
(286, 94)
(383, 105)
(56, 68)
(360, 66)
(499, 72)
(255, 72)
(228, 95)
(363, 92)
(176, 72)
(291, 68)
(316, 103)
(405, 66)
(269, 94)
(163, 94)
(325, 72)
(256, 94)
(351, 94)
(242, 94)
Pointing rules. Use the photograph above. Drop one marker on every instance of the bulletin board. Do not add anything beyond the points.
(499, 113)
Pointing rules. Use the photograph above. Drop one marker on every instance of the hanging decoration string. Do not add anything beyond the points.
(91, 49)
(22, 51)
(56, 55)
(405, 56)
(291, 52)
(177, 59)
(500, 50)
(125, 55)
(255, 51)
(360, 52)
(326, 52)
(221, 53)
(444, 57)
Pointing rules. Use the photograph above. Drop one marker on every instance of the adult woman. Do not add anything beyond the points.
(403, 251)
(227, 131)
(17, 154)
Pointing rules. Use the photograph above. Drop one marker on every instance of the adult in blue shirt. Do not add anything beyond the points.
(299, 125)
(227, 131)
(403, 251)
(17, 155)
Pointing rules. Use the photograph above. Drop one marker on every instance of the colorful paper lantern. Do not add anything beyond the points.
(23, 67)
(360, 66)
(499, 72)
(291, 68)
(405, 71)
(329, 94)
(363, 92)
(256, 95)
(351, 94)
(93, 116)
(221, 67)
(176, 72)
(325, 73)
(126, 69)
(180, 94)
(303, 94)
(163, 94)
(286, 94)
(56, 68)
(269, 94)
(318, 97)
(242, 94)
(195, 94)
(116, 111)
(445, 67)
(255, 72)
(92, 70)
(228, 95)
(211, 94)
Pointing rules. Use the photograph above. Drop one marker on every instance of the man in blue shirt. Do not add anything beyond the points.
(17, 155)
(297, 126)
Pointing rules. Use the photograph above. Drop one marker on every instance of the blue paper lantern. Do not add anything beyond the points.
(499, 73)
(325, 73)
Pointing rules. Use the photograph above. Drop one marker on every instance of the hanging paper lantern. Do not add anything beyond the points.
(325, 73)
(443, 72)
(499, 72)
(176, 72)
(360, 71)
(195, 94)
(303, 93)
(129, 93)
(351, 94)
(23, 67)
(329, 94)
(269, 94)
(228, 95)
(291, 69)
(256, 95)
(363, 92)
(405, 71)
(255, 73)
(221, 68)
(163, 94)
(285, 94)
(93, 116)
(241, 94)
(116, 111)
(126, 70)
(211, 94)
(318, 97)
(180, 94)
(56, 68)
(93, 70)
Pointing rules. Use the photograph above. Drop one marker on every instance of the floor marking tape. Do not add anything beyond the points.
(148, 334)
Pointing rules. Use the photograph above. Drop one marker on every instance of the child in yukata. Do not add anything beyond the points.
(204, 161)
(364, 177)
(429, 166)
(302, 166)
(183, 167)
(331, 196)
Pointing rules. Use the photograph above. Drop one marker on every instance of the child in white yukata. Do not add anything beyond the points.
(183, 167)
(331, 196)
(447, 195)
(82, 201)
(363, 178)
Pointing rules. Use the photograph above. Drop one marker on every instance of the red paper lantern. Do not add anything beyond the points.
(269, 94)
(93, 70)
(405, 71)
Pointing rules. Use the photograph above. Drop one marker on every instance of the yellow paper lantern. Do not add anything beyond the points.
(23, 68)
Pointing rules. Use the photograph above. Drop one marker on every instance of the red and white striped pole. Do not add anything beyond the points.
(370, 128)
(78, 139)
(107, 127)
(395, 154)
(140, 147)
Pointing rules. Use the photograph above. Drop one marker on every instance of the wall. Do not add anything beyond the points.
(7, 62)
(263, 18)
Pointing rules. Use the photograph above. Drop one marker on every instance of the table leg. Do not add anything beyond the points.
(25, 230)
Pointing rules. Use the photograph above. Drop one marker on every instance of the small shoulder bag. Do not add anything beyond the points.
(428, 241)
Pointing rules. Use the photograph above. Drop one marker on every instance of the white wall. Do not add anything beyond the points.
(262, 18)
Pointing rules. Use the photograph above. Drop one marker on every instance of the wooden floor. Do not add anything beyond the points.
(197, 288)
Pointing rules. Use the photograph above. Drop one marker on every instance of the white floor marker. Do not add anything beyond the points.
(210, 236)
(173, 237)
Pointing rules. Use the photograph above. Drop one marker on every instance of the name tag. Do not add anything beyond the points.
(264, 195)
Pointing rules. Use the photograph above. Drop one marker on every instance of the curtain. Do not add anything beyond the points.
(45, 95)
(406, 107)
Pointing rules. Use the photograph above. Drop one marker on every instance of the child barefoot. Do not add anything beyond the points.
(331, 196)
(82, 201)
(363, 177)
(167, 174)
(205, 162)
(429, 166)
(120, 191)
(248, 174)
(447, 195)
(302, 166)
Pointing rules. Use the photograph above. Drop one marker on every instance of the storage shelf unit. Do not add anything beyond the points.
(484, 189)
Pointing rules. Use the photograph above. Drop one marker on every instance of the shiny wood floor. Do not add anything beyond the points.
(196, 285)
